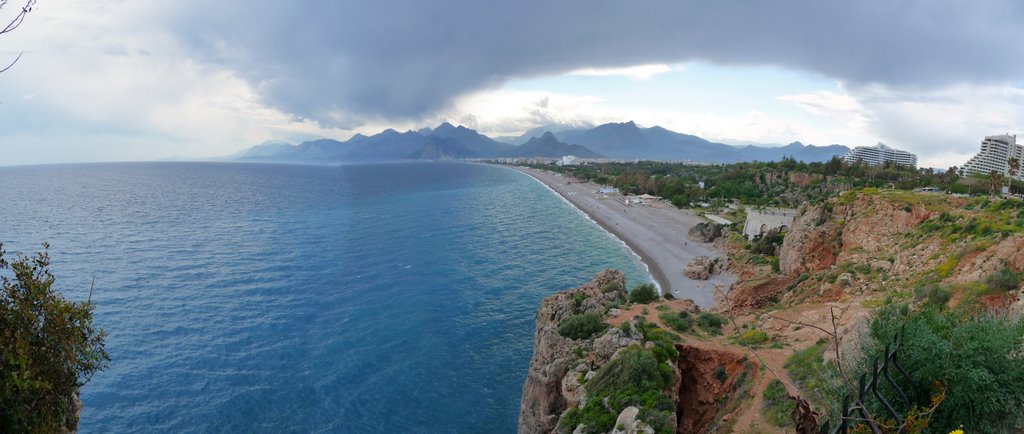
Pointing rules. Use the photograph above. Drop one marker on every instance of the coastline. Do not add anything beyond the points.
(655, 233)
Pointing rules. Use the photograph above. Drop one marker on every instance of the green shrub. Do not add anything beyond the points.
(776, 406)
(1003, 280)
(976, 357)
(582, 326)
(643, 294)
(611, 287)
(752, 337)
(711, 322)
(48, 348)
(720, 374)
(578, 299)
(933, 294)
(681, 322)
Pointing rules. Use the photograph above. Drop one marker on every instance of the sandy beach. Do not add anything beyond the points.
(655, 232)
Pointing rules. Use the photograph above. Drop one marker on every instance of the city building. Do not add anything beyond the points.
(995, 154)
(879, 154)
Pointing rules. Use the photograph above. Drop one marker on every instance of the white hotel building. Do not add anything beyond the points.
(995, 154)
(879, 154)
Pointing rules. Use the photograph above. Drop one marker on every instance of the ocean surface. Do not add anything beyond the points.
(284, 298)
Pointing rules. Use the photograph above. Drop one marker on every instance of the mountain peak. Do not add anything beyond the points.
(445, 125)
(548, 136)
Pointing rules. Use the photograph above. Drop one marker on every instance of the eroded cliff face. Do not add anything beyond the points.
(838, 231)
(549, 391)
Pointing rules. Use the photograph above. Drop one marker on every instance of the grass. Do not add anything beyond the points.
(751, 337)
(711, 323)
(777, 406)
(681, 322)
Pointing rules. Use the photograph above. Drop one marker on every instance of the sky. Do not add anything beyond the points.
(130, 80)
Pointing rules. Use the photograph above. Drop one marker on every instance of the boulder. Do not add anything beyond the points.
(705, 232)
(703, 267)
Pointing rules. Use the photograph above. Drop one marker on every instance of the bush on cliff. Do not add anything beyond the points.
(48, 348)
(681, 322)
(643, 294)
(633, 378)
(711, 322)
(582, 326)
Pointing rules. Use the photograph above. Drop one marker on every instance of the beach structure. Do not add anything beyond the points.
(760, 222)
(994, 155)
(879, 154)
(718, 219)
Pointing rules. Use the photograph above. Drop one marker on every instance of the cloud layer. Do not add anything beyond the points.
(341, 62)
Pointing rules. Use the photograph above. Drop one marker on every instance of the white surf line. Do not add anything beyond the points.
(635, 256)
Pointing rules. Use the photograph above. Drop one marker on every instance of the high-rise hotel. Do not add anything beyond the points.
(995, 155)
(879, 154)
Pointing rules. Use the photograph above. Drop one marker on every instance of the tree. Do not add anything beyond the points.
(49, 348)
(995, 180)
(15, 22)
(1014, 164)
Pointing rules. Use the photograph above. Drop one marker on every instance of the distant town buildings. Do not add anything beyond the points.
(994, 155)
(568, 160)
(879, 154)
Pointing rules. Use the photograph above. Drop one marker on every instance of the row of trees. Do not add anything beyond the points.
(784, 183)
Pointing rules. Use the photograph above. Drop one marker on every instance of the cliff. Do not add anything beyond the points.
(628, 374)
(548, 391)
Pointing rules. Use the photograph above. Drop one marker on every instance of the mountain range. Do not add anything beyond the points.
(622, 141)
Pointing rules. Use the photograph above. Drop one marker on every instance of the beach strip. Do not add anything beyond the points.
(655, 232)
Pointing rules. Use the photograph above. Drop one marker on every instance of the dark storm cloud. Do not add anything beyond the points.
(337, 61)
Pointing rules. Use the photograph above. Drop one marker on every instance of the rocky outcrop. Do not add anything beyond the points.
(978, 265)
(866, 226)
(702, 267)
(705, 232)
(627, 423)
(547, 393)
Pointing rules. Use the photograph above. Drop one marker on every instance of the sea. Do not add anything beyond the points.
(379, 298)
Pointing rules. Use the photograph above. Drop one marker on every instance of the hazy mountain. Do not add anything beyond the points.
(539, 131)
(440, 148)
(389, 145)
(796, 150)
(624, 141)
(472, 140)
(550, 147)
(628, 141)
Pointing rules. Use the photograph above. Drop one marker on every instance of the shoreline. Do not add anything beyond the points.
(657, 275)
(656, 234)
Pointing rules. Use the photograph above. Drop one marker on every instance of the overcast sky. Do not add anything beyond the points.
(114, 80)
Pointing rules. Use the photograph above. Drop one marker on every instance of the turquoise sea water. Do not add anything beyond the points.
(282, 298)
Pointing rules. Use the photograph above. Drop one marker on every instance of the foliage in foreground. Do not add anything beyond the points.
(48, 348)
(976, 357)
